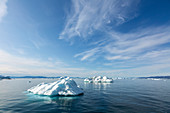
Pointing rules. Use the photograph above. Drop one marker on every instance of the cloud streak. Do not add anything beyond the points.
(139, 49)
(125, 46)
(87, 54)
(15, 65)
(86, 16)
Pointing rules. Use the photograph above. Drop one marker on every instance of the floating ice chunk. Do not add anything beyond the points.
(108, 80)
(154, 79)
(63, 87)
(88, 80)
(99, 79)
(105, 78)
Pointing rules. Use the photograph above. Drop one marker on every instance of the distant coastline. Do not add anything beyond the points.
(155, 77)
(35, 77)
(4, 77)
(45, 77)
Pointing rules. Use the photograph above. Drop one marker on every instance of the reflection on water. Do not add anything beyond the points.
(58, 102)
(98, 86)
(61, 100)
(125, 96)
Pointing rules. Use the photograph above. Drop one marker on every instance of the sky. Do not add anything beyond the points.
(83, 38)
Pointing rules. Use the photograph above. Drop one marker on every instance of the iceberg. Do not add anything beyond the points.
(88, 80)
(62, 87)
(99, 79)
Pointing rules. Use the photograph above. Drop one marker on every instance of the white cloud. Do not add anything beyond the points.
(12, 60)
(117, 57)
(156, 54)
(125, 46)
(17, 65)
(3, 8)
(12, 64)
(144, 52)
(143, 48)
(135, 43)
(85, 55)
(156, 57)
(88, 16)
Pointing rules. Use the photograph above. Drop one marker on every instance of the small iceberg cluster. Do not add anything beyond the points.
(62, 87)
(154, 79)
(99, 79)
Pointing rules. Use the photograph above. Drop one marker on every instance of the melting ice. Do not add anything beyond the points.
(99, 79)
(63, 87)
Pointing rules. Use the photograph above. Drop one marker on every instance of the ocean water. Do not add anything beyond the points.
(122, 96)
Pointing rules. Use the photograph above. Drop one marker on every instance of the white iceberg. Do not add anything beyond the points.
(88, 80)
(62, 87)
(99, 79)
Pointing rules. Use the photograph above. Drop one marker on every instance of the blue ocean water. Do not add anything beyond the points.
(122, 96)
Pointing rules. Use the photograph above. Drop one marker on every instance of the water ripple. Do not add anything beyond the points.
(137, 96)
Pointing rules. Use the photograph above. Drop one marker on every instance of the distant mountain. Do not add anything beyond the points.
(159, 77)
(4, 77)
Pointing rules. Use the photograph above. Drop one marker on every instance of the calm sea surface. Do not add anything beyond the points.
(124, 96)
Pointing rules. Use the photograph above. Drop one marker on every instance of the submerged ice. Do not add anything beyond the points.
(63, 87)
(99, 79)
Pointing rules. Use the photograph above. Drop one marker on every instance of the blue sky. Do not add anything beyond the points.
(85, 37)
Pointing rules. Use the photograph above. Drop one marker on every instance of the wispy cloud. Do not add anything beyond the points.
(3, 8)
(17, 65)
(12, 64)
(117, 57)
(18, 61)
(139, 49)
(87, 54)
(142, 49)
(87, 16)
(137, 42)
(125, 46)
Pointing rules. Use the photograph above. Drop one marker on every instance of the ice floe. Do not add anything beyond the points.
(62, 87)
(99, 79)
